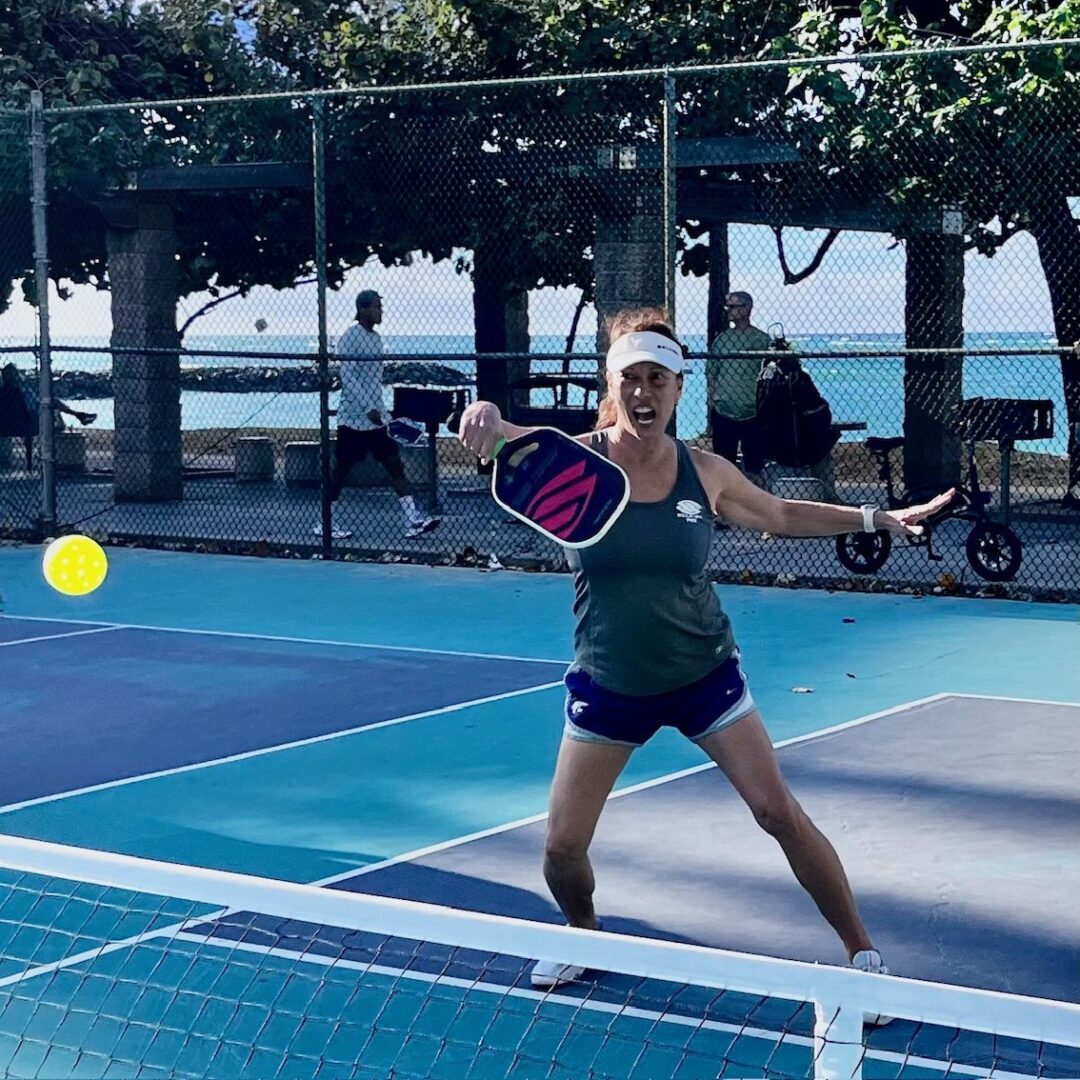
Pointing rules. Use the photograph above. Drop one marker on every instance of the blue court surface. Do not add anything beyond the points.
(391, 730)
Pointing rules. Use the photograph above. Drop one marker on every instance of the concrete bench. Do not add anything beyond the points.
(302, 469)
(301, 465)
(253, 457)
(808, 488)
(70, 452)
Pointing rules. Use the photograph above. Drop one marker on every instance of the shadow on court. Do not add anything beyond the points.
(956, 820)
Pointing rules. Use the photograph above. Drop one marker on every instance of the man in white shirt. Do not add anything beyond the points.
(361, 422)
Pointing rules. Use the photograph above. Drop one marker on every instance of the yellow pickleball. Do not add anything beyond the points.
(74, 565)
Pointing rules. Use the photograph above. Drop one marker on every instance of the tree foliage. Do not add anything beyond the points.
(506, 172)
(991, 132)
(513, 170)
(79, 53)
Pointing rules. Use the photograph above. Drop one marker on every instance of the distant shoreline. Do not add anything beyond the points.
(219, 393)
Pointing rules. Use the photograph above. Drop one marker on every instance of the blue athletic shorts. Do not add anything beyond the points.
(594, 714)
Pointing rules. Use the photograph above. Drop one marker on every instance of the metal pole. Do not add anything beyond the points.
(39, 202)
(670, 246)
(318, 181)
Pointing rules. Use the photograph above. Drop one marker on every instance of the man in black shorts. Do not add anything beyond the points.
(362, 424)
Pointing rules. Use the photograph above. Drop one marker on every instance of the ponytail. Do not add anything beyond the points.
(606, 413)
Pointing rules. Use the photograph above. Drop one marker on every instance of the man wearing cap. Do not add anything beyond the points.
(732, 386)
(362, 424)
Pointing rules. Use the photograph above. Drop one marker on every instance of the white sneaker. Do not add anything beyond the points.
(422, 525)
(870, 960)
(549, 974)
(335, 533)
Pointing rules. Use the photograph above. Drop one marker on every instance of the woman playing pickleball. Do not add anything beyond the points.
(654, 648)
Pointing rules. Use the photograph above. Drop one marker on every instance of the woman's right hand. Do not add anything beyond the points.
(481, 429)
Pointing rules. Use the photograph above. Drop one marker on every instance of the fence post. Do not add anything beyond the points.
(38, 202)
(318, 183)
(933, 383)
(670, 178)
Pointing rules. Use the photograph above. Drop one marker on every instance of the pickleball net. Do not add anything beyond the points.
(115, 966)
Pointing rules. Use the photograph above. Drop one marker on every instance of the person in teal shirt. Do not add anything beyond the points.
(731, 381)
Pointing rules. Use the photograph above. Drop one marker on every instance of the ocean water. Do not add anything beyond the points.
(868, 389)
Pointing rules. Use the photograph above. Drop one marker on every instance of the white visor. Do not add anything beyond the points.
(645, 346)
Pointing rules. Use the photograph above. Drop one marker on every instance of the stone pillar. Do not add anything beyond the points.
(516, 311)
(933, 384)
(500, 323)
(147, 452)
(716, 319)
(629, 263)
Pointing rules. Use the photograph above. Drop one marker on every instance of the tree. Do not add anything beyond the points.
(993, 133)
(509, 173)
(111, 51)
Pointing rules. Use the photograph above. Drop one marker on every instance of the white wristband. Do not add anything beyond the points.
(868, 512)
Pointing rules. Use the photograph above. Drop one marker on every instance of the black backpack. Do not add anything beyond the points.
(795, 420)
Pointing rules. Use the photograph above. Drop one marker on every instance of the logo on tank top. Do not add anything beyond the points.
(689, 510)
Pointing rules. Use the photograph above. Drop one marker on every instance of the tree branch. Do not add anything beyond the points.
(211, 304)
(586, 296)
(791, 277)
(1008, 231)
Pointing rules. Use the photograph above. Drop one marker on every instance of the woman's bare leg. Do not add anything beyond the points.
(749, 761)
(584, 776)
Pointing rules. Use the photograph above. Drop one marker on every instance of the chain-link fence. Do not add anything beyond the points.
(20, 482)
(905, 228)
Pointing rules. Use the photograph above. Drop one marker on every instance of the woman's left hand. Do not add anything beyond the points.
(905, 521)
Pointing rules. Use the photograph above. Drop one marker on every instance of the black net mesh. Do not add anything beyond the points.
(20, 479)
(255, 978)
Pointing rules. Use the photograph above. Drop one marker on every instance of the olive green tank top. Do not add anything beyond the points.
(648, 618)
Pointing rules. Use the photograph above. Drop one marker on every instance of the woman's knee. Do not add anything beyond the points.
(779, 815)
(564, 846)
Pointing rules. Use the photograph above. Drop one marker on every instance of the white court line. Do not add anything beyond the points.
(56, 637)
(1017, 700)
(296, 640)
(667, 778)
(244, 755)
(173, 930)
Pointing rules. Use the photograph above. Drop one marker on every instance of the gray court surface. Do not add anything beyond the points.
(958, 821)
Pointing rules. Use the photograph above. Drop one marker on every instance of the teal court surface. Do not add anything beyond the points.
(389, 732)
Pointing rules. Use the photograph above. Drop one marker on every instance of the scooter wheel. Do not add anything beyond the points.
(994, 551)
(863, 553)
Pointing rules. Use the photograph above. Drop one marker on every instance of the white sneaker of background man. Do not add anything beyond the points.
(361, 423)
(417, 522)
